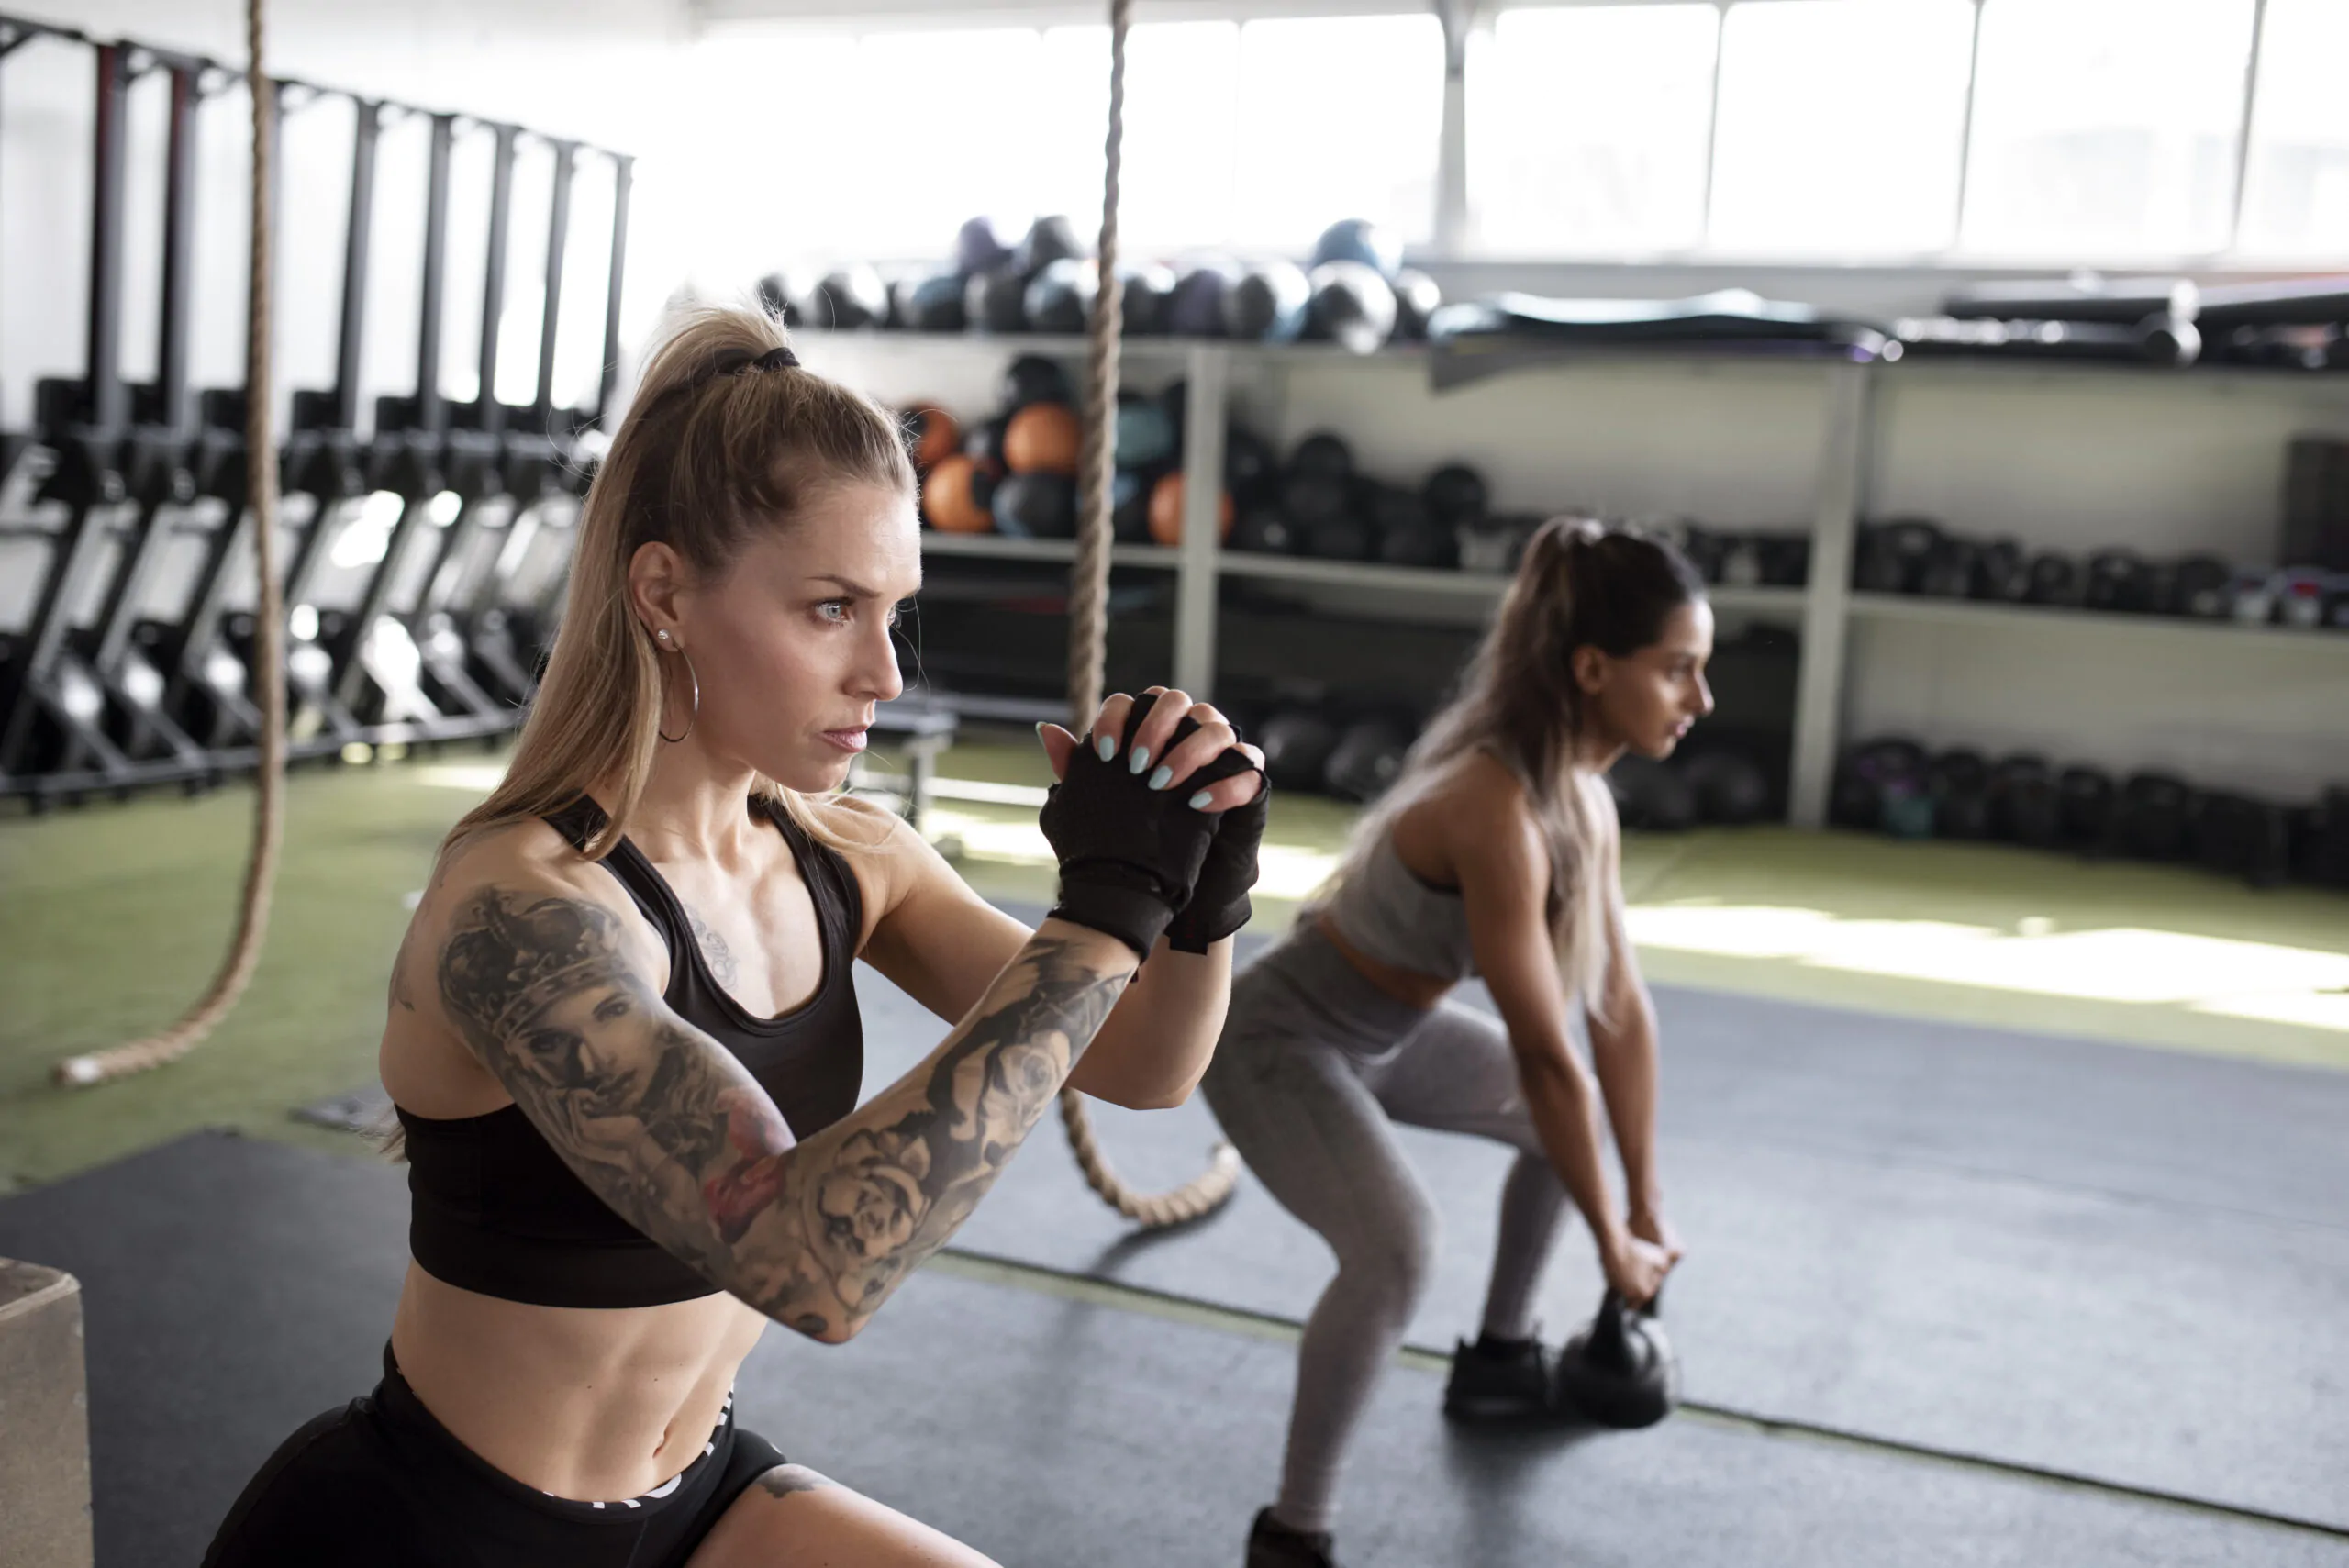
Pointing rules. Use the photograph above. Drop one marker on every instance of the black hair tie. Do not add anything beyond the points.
(734, 362)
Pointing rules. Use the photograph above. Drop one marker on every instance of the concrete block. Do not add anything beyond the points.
(44, 1420)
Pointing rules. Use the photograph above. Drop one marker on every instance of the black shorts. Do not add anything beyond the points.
(381, 1484)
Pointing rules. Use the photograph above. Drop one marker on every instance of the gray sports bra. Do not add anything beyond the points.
(1387, 913)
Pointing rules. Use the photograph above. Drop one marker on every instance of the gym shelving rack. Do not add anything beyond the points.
(1823, 611)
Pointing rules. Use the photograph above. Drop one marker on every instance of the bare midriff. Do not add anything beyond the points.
(596, 1403)
(1406, 986)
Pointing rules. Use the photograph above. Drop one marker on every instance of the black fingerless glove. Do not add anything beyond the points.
(1219, 905)
(1128, 854)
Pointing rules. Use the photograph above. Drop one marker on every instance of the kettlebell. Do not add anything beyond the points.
(1621, 1370)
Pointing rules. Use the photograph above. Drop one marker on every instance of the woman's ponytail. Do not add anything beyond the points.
(1580, 582)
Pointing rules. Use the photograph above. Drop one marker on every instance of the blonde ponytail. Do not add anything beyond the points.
(726, 437)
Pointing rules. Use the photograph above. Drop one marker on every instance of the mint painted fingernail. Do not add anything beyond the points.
(1199, 801)
(1107, 747)
(1162, 778)
(1140, 759)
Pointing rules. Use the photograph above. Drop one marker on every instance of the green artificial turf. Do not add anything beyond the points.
(116, 916)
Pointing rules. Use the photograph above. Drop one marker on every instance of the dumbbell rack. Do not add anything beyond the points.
(1824, 610)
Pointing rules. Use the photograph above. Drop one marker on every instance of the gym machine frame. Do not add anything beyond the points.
(429, 652)
(132, 702)
(62, 687)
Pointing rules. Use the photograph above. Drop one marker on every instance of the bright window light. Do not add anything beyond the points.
(586, 278)
(473, 778)
(1587, 130)
(522, 307)
(2296, 185)
(1182, 146)
(2307, 1009)
(948, 127)
(2106, 128)
(1341, 118)
(368, 532)
(1072, 115)
(464, 255)
(2212, 974)
(1841, 125)
(785, 190)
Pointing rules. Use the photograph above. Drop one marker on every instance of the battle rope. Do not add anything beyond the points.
(261, 480)
(1088, 617)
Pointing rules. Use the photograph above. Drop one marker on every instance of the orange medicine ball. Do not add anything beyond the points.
(936, 435)
(947, 501)
(1043, 438)
(1166, 512)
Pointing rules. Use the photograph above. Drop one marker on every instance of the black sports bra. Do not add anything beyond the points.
(493, 1209)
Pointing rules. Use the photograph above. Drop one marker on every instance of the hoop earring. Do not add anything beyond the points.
(694, 712)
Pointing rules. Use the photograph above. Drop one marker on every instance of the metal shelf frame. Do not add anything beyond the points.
(1826, 607)
(1998, 617)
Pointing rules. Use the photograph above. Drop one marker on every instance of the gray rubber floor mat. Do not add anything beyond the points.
(234, 1288)
(2115, 1262)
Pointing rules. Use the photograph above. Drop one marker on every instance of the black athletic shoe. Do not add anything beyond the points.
(1498, 1382)
(1271, 1544)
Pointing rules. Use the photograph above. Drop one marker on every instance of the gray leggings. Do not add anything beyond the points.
(1314, 1065)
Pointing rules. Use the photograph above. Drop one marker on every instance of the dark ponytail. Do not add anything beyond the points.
(1580, 582)
(1615, 586)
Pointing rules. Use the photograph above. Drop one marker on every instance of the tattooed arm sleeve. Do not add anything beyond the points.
(677, 1138)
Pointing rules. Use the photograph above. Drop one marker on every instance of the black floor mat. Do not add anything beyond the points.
(235, 1288)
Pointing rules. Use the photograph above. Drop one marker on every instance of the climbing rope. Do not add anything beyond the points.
(1088, 636)
(261, 480)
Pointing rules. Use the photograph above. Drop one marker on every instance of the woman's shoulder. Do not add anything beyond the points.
(1474, 790)
(501, 877)
(859, 825)
(871, 842)
(525, 851)
(510, 868)
(1471, 810)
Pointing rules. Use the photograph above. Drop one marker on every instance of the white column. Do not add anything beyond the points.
(1819, 687)
(1209, 368)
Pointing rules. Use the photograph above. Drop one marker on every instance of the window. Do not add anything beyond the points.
(471, 161)
(1840, 125)
(2296, 184)
(948, 124)
(2106, 128)
(587, 282)
(1073, 102)
(2043, 131)
(1588, 130)
(1340, 117)
(796, 176)
(1182, 142)
(883, 144)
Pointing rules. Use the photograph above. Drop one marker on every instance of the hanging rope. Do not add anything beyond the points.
(268, 666)
(1089, 637)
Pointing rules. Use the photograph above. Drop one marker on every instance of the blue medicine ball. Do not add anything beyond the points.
(1145, 434)
(1359, 239)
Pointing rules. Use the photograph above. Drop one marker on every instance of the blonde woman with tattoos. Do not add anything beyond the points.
(623, 1042)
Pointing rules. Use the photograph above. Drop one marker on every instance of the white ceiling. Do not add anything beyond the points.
(987, 12)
